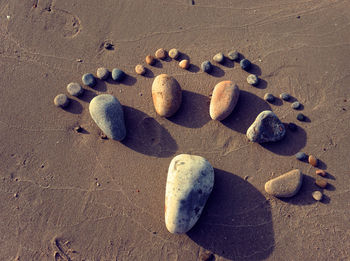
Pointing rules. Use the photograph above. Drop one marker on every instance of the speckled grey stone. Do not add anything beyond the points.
(269, 97)
(206, 66)
(233, 55)
(295, 105)
(285, 186)
(118, 75)
(219, 57)
(301, 156)
(245, 64)
(89, 79)
(75, 89)
(61, 100)
(107, 112)
(266, 128)
(252, 79)
(285, 96)
(102, 73)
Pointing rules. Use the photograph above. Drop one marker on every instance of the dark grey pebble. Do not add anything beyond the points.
(296, 105)
(75, 89)
(301, 156)
(285, 96)
(245, 64)
(269, 97)
(300, 117)
(89, 79)
(118, 75)
(233, 55)
(206, 66)
(292, 126)
(61, 100)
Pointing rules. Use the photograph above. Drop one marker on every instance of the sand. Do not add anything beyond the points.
(74, 196)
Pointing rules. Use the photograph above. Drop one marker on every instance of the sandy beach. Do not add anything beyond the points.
(71, 195)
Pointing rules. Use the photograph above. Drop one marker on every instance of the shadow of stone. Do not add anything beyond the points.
(247, 109)
(330, 187)
(306, 119)
(322, 165)
(330, 176)
(145, 135)
(193, 68)
(182, 56)
(194, 110)
(216, 71)
(254, 69)
(74, 107)
(128, 80)
(325, 199)
(148, 73)
(228, 63)
(87, 95)
(277, 101)
(262, 84)
(236, 222)
(157, 63)
(100, 85)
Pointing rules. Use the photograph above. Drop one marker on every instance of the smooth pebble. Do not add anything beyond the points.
(300, 117)
(102, 73)
(286, 185)
(321, 183)
(206, 66)
(301, 156)
(140, 69)
(317, 195)
(75, 89)
(161, 54)
(118, 75)
(321, 172)
(89, 79)
(295, 105)
(269, 97)
(173, 53)
(219, 57)
(233, 55)
(184, 64)
(61, 100)
(285, 96)
(253, 79)
(245, 64)
(313, 160)
(150, 59)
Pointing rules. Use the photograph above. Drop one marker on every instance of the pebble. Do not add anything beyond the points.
(321, 183)
(174, 53)
(224, 99)
(285, 186)
(245, 64)
(285, 96)
(233, 55)
(102, 73)
(89, 79)
(295, 105)
(317, 195)
(293, 127)
(266, 128)
(150, 59)
(206, 256)
(189, 184)
(61, 100)
(300, 117)
(161, 54)
(118, 75)
(206, 66)
(75, 89)
(140, 69)
(184, 64)
(321, 172)
(107, 112)
(301, 156)
(166, 95)
(219, 57)
(252, 79)
(313, 160)
(269, 97)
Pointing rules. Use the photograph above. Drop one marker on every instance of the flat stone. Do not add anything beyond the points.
(295, 105)
(206, 66)
(321, 183)
(189, 184)
(245, 64)
(252, 79)
(102, 73)
(161, 54)
(88, 79)
(313, 160)
(285, 96)
(285, 186)
(140, 69)
(107, 112)
(184, 64)
(233, 55)
(150, 59)
(223, 100)
(166, 94)
(266, 128)
(118, 75)
(75, 89)
(317, 195)
(61, 100)
(219, 57)
(301, 156)
(269, 97)
(174, 53)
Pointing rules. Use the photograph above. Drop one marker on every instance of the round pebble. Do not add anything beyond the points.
(102, 73)
(252, 79)
(321, 183)
(89, 79)
(161, 54)
(269, 97)
(313, 160)
(174, 53)
(219, 57)
(150, 60)
(140, 69)
(295, 105)
(300, 117)
(285, 96)
(293, 127)
(317, 195)
(301, 156)
(75, 89)
(245, 64)
(233, 55)
(206, 66)
(321, 172)
(184, 64)
(117, 75)
(61, 100)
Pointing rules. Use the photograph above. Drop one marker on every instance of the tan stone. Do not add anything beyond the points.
(161, 54)
(313, 160)
(150, 59)
(184, 64)
(321, 172)
(321, 183)
(140, 69)
(173, 53)
(286, 185)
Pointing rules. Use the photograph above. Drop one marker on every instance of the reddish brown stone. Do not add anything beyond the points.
(313, 160)
(321, 183)
(321, 172)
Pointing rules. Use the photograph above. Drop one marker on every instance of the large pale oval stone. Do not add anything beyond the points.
(107, 112)
(223, 100)
(266, 128)
(166, 94)
(286, 185)
(189, 184)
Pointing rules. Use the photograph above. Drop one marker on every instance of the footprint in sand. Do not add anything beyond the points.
(62, 250)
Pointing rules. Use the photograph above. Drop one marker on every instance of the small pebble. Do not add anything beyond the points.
(108, 46)
(102, 73)
(313, 160)
(206, 256)
(245, 64)
(184, 64)
(161, 54)
(219, 57)
(285, 96)
(301, 156)
(89, 80)
(269, 97)
(150, 60)
(321, 183)
(233, 55)
(174, 53)
(61, 100)
(117, 75)
(321, 172)
(78, 129)
(206, 66)
(295, 105)
(300, 117)
(15, 195)
(75, 89)
(140, 69)
(293, 127)
(252, 79)
(317, 195)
